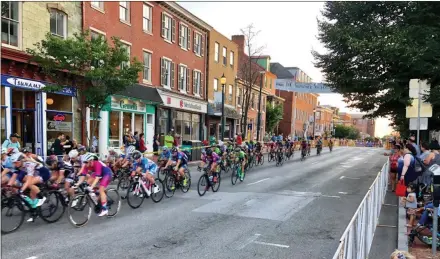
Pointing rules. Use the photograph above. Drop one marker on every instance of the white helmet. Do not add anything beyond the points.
(73, 153)
(17, 157)
(130, 150)
(89, 157)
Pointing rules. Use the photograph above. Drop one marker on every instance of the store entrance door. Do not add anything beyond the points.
(23, 123)
(149, 132)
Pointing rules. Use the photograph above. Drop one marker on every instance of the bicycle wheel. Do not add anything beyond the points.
(269, 157)
(13, 213)
(162, 174)
(186, 188)
(79, 203)
(54, 203)
(158, 195)
(216, 186)
(234, 175)
(123, 184)
(135, 195)
(261, 159)
(170, 185)
(203, 184)
(113, 202)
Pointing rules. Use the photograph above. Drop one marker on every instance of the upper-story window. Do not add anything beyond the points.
(127, 49)
(124, 11)
(168, 28)
(215, 87)
(197, 82)
(167, 73)
(58, 23)
(238, 97)
(10, 23)
(147, 21)
(225, 56)
(231, 58)
(184, 36)
(230, 93)
(216, 51)
(98, 4)
(183, 78)
(147, 66)
(198, 44)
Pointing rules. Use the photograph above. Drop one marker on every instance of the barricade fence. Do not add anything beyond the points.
(357, 238)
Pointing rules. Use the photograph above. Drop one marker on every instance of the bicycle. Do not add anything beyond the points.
(85, 200)
(318, 150)
(237, 173)
(142, 188)
(20, 202)
(303, 154)
(171, 183)
(206, 181)
(260, 158)
(279, 157)
(124, 180)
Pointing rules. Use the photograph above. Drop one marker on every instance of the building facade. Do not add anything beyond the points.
(324, 121)
(345, 118)
(35, 115)
(366, 127)
(171, 43)
(222, 61)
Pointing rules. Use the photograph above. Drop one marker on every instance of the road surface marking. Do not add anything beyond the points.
(265, 179)
(387, 226)
(270, 244)
(347, 166)
(342, 193)
(346, 177)
(386, 204)
(248, 241)
(331, 196)
(32, 257)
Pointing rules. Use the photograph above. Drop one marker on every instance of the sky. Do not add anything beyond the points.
(288, 30)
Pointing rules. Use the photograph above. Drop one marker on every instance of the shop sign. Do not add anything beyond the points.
(185, 104)
(62, 126)
(124, 104)
(31, 84)
(59, 117)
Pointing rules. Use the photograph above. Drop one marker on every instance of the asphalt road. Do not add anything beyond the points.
(299, 210)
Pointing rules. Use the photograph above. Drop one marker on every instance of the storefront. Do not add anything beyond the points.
(213, 121)
(35, 115)
(132, 112)
(185, 115)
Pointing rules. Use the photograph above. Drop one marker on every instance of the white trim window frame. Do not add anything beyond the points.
(168, 27)
(124, 11)
(147, 18)
(216, 51)
(184, 36)
(58, 23)
(183, 78)
(99, 5)
(198, 43)
(13, 23)
(231, 58)
(230, 93)
(197, 82)
(146, 73)
(215, 85)
(225, 56)
(128, 49)
(167, 73)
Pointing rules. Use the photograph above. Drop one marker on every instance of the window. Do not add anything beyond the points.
(230, 93)
(124, 11)
(58, 23)
(216, 52)
(127, 49)
(215, 87)
(184, 36)
(183, 78)
(146, 20)
(225, 50)
(198, 43)
(95, 36)
(98, 4)
(231, 58)
(197, 82)
(10, 23)
(167, 73)
(147, 66)
(168, 27)
(238, 97)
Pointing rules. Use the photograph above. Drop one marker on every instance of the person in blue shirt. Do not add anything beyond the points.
(164, 157)
(12, 142)
(280, 137)
(7, 165)
(274, 138)
(181, 164)
(145, 166)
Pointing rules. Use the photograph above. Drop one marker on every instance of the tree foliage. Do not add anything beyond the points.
(349, 132)
(91, 66)
(375, 48)
(274, 114)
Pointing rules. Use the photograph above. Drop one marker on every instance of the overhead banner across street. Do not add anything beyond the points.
(291, 85)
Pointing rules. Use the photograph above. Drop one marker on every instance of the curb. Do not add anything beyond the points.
(402, 238)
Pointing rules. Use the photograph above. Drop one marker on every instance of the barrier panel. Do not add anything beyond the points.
(356, 240)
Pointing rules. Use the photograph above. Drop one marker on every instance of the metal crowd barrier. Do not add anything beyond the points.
(356, 240)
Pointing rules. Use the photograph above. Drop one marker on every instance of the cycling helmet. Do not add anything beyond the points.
(208, 151)
(237, 149)
(17, 157)
(81, 148)
(164, 148)
(51, 160)
(90, 157)
(130, 149)
(174, 150)
(73, 153)
(24, 150)
(136, 155)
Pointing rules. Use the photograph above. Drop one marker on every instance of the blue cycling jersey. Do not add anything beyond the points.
(7, 164)
(180, 156)
(165, 155)
(146, 165)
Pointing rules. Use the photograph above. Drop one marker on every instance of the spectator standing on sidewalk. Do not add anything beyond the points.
(394, 157)
(412, 141)
(12, 141)
(239, 139)
(406, 164)
(434, 156)
(142, 147)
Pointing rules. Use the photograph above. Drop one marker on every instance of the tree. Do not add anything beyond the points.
(91, 66)
(274, 114)
(350, 132)
(375, 48)
(248, 71)
(353, 133)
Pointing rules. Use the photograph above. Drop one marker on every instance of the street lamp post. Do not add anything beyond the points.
(223, 82)
(314, 123)
(259, 106)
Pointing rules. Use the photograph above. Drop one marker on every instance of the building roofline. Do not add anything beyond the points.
(188, 14)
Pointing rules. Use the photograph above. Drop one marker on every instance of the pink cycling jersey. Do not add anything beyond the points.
(214, 158)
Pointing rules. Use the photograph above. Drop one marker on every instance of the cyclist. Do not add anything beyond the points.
(164, 157)
(241, 156)
(330, 144)
(309, 147)
(100, 173)
(181, 161)
(144, 166)
(319, 145)
(304, 148)
(212, 159)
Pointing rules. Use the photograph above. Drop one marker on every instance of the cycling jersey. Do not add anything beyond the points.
(217, 150)
(214, 158)
(146, 165)
(7, 164)
(165, 155)
(258, 147)
(180, 156)
(241, 155)
(99, 169)
(69, 171)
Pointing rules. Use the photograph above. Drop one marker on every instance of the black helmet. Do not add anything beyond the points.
(174, 150)
(136, 155)
(208, 151)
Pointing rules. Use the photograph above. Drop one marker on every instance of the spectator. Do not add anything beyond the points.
(406, 164)
(136, 138)
(176, 141)
(68, 145)
(57, 146)
(169, 139)
(239, 139)
(142, 146)
(395, 155)
(401, 255)
(434, 156)
(412, 141)
(156, 143)
(74, 144)
(12, 141)
(212, 140)
(425, 151)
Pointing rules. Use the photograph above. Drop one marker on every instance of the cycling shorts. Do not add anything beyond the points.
(69, 175)
(20, 175)
(106, 177)
(43, 174)
(184, 166)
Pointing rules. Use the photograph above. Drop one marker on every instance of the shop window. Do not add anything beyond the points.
(17, 99)
(227, 132)
(195, 130)
(58, 122)
(126, 122)
(10, 23)
(58, 23)
(187, 130)
(57, 102)
(2, 124)
(163, 121)
(114, 128)
(139, 123)
(2, 100)
(150, 119)
(212, 129)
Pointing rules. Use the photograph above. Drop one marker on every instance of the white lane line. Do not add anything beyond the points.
(331, 196)
(270, 244)
(347, 166)
(342, 177)
(342, 192)
(346, 177)
(32, 257)
(248, 241)
(265, 179)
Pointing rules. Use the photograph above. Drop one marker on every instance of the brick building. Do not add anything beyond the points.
(35, 115)
(171, 94)
(345, 119)
(324, 120)
(366, 127)
(298, 107)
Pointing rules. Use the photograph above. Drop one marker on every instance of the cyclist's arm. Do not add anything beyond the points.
(5, 171)
(178, 162)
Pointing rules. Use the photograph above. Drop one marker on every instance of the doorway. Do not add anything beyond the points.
(23, 123)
